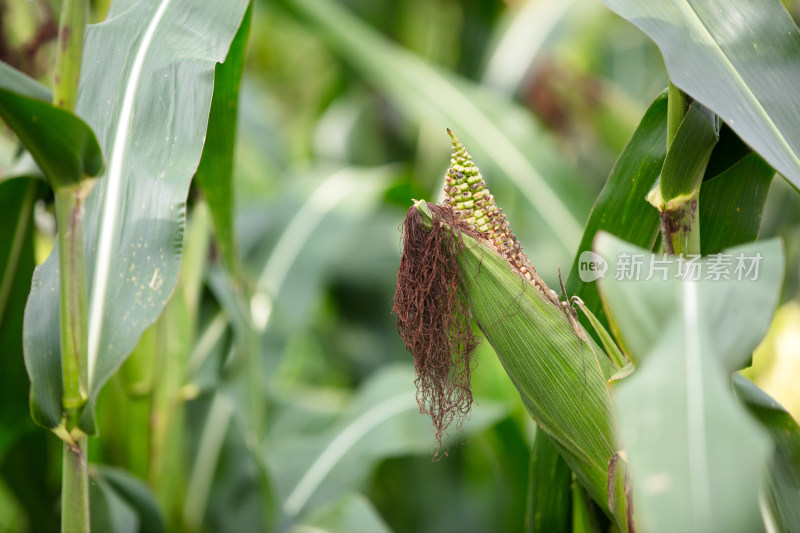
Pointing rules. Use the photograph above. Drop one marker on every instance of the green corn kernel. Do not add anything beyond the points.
(466, 193)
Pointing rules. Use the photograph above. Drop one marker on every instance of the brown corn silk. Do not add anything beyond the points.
(433, 317)
(431, 306)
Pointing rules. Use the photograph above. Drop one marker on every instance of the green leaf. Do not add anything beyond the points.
(12, 513)
(549, 494)
(695, 457)
(313, 465)
(735, 314)
(517, 44)
(430, 96)
(729, 150)
(688, 154)
(621, 208)
(697, 472)
(241, 496)
(561, 378)
(341, 202)
(215, 172)
(149, 107)
(109, 511)
(212, 438)
(63, 145)
(15, 82)
(29, 468)
(350, 514)
(782, 485)
(134, 493)
(174, 331)
(17, 198)
(739, 59)
(731, 204)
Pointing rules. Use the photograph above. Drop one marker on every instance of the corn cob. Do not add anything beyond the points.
(473, 204)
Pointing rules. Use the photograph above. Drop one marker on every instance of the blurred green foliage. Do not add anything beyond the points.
(327, 160)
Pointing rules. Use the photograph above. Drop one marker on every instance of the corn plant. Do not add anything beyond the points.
(119, 247)
(209, 344)
(652, 424)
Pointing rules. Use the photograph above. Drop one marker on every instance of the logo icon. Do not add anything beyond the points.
(591, 266)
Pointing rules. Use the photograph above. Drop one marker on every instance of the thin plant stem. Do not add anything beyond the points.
(676, 110)
(72, 277)
(73, 309)
(69, 52)
(680, 228)
(175, 331)
(75, 488)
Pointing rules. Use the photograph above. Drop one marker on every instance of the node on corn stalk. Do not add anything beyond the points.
(432, 307)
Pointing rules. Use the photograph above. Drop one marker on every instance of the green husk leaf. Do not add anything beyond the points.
(623, 372)
(620, 360)
(620, 491)
(560, 377)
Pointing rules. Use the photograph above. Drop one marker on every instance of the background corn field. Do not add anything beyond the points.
(272, 391)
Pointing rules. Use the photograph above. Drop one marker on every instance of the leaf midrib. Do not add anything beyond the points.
(699, 485)
(109, 220)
